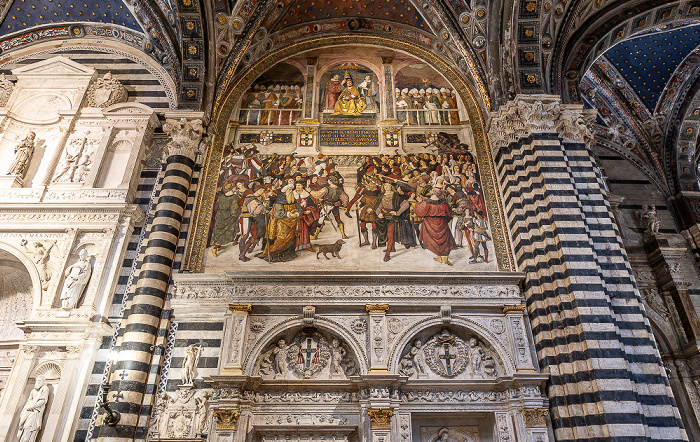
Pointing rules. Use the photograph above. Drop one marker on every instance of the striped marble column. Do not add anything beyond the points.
(591, 331)
(131, 369)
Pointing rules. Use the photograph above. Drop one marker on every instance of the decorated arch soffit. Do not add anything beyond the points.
(147, 27)
(211, 247)
(247, 30)
(643, 87)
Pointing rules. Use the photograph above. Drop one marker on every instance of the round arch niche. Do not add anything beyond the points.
(16, 295)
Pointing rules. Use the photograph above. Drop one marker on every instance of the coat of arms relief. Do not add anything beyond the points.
(446, 355)
(309, 354)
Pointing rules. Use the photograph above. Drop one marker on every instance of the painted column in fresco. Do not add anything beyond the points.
(389, 102)
(309, 89)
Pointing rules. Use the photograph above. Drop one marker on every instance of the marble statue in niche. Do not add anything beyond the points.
(446, 355)
(77, 278)
(23, 155)
(32, 416)
(106, 91)
(308, 355)
(189, 364)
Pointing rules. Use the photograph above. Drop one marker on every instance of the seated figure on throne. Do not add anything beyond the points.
(349, 101)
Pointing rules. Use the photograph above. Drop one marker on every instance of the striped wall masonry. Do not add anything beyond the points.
(591, 331)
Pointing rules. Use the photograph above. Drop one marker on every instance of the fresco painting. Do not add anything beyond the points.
(422, 211)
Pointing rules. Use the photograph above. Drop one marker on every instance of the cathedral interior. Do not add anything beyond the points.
(349, 220)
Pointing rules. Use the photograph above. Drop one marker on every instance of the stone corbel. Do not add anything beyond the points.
(236, 325)
(378, 338)
(226, 419)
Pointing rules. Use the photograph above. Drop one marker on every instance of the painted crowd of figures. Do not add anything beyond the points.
(431, 106)
(278, 206)
(272, 105)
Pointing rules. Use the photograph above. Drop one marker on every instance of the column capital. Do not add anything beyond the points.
(380, 418)
(185, 134)
(242, 308)
(388, 60)
(311, 61)
(377, 308)
(538, 113)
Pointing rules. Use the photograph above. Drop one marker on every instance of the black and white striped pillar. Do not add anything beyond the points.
(131, 369)
(607, 381)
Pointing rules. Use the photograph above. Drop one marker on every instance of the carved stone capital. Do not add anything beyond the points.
(185, 136)
(380, 418)
(226, 419)
(377, 308)
(531, 114)
(535, 417)
(242, 308)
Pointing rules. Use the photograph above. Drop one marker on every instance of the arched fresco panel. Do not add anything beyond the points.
(347, 190)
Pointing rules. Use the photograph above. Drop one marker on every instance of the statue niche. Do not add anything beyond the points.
(446, 355)
(308, 354)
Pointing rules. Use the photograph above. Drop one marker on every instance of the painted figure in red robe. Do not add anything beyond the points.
(435, 232)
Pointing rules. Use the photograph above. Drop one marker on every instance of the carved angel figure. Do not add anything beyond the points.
(414, 361)
(23, 155)
(32, 417)
(189, 364)
(77, 277)
(274, 361)
(337, 356)
(650, 219)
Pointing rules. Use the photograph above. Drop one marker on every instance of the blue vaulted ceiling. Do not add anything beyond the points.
(647, 62)
(25, 14)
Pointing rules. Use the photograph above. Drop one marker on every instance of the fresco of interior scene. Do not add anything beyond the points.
(277, 208)
(348, 90)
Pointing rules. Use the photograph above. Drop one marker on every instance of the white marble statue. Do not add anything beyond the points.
(650, 219)
(414, 361)
(336, 364)
(32, 416)
(189, 364)
(23, 155)
(77, 277)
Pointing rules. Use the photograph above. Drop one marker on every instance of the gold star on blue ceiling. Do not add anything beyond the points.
(25, 14)
(648, 62)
